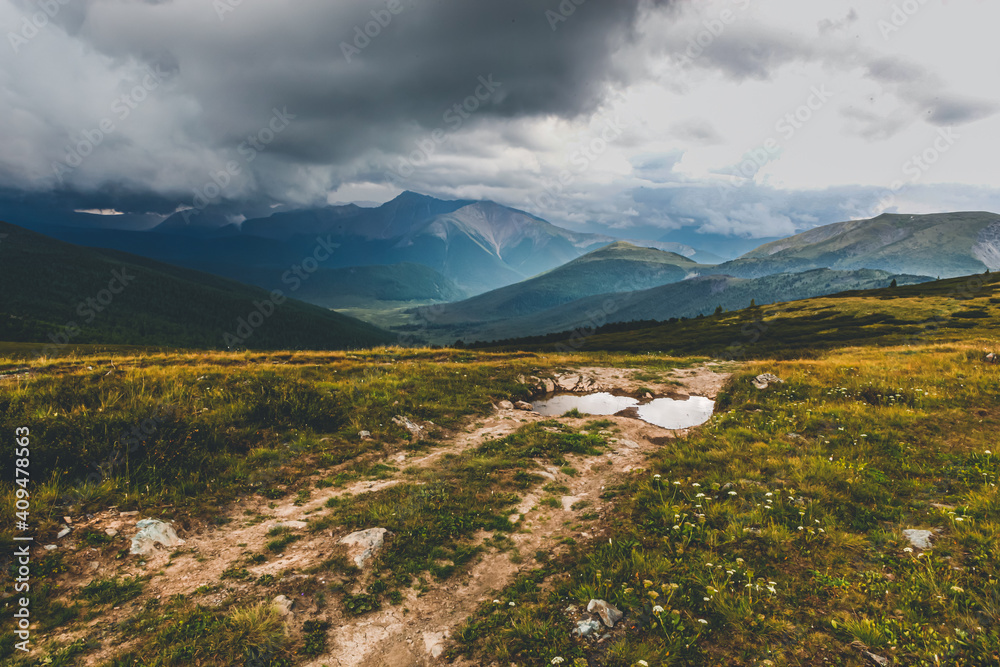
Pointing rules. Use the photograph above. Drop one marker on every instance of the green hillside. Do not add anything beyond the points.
(57, 294)
(366, 286)
(943, 310)
(941, 244)
(688, 298)
(618, 267)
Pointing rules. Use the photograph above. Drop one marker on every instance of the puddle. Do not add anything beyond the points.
(591, 404)
(663, 412)
(670, 413)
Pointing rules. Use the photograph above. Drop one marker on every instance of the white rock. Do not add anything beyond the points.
(64, 532)
(607, 611)
(416, 430)
(764, 379)
(920, 539)
(111, 532)
(586, 627)
(364, 435)
(50, 547)
(153, 532)
(364, 544)
(283, 604)
(505, 405)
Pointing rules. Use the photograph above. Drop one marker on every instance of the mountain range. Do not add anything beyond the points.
(476, 245)
(491, 271)
(940, 244)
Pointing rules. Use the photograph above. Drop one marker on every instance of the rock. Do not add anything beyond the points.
(647, 395)
(920, 539)
(364, 544)
(505, 405)
(875, 659)
(607, 611)
(283, 604)
(942, 507)
(434, 643)
(631, 444)
(524, 405)
(550, 386)
(50, 547)
(764, 379)
(365, 435)
(67, 521)
(416, 430)
(992, 358)
(132, 513)
(64, 532)
(153, 532)
(94, 565)
(110, 532)
(585, 628)
(567, 382)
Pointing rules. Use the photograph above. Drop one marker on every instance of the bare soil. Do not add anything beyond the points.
(417, 631)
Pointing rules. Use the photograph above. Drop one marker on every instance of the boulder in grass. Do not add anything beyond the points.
(609, 613)
(363, 545)
(764, 379)
(153, 532)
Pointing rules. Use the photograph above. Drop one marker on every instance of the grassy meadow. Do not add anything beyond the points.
(772, 535)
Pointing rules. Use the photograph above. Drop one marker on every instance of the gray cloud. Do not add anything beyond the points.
(226, 75)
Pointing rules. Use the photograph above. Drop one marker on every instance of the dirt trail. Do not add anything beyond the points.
(417, 631)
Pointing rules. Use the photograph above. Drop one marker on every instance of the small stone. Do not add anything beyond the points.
(416, 430)
(68, 521)
(607, 611)
(364, 544)
(505, 405)
(110, 532)
(66, 530)
(875, 659)
(153, 532)
(524, 405)
(283, 604)
(585, 628)
(365, 435)
(94, 565)
(647, 395)
(920, 539)
(764, 379)
(50, 547)
(132, 513)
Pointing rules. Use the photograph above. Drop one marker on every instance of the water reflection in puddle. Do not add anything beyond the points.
(664, 412)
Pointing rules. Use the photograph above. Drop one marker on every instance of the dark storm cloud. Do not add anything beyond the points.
(349, 92)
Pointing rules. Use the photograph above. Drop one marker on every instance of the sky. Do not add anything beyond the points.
(639, 118)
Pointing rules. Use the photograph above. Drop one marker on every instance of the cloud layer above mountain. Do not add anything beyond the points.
(729, 115)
